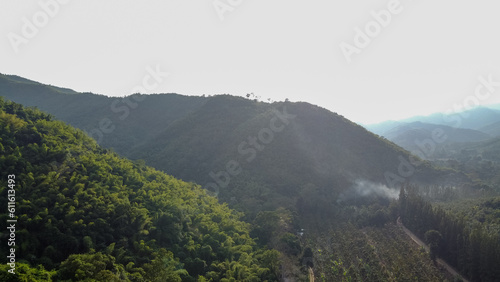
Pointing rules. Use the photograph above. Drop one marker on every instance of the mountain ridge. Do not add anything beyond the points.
(473, 118)
(201, 139)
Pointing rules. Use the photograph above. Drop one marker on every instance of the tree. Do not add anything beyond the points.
(433, 238)
(89, 266)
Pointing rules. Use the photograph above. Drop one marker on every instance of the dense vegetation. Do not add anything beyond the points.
(348, 253)
(479, 160)
(430, 140)
(118, 123)
(85, 213)
(306, 181)
(308, 158)
(470, 243)
(307, 165)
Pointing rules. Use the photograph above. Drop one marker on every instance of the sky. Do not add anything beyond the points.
(369, 61)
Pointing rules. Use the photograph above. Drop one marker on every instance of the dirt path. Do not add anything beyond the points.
(441, 262)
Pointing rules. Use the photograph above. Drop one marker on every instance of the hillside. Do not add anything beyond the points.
(479, 160)
(314, 157)
(421, 131)
(476, 118)
(473, 152)
(383, 127)
(229, 145)
(492, 129)
(83, 212)
(415, 136)
(473, 118)
(120, 123)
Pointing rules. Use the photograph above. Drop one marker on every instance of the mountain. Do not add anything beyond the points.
(383, 127)
(254, 155)
(423, 130)
(26, 83)
(494, 107)
(315, 157)
(314, 187)
(120, 123)
(475, 118)
(471, 151)
(492, 129)
(487, 151)
(84, 213)
(429, 139)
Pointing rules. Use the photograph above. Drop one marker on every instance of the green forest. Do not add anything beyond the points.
(84, 213)
(466, 237)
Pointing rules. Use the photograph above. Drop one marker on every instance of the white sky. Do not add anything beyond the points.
(427, 58)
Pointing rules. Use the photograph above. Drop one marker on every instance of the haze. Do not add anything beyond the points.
(426, 58)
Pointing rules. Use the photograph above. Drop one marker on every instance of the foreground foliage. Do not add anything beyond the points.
(86, 213)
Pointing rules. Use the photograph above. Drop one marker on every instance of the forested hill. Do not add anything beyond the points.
(284, 154)
(255, 155)
(113, 122)
(83, 212)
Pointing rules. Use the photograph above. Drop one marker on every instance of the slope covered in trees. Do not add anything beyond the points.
(254, 155)
(466, 141)
(308, 161)
(347, 253)
(83, 212)
(118, 123)
(464, 236)
(287, 166)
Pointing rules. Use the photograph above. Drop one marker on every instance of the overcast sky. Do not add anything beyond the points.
(367, 60)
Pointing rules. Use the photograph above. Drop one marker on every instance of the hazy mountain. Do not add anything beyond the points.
(383, 127)
(430, 138)
(492, 129)
(488, 150)
(24, 82)
(475, 118)
(120, 123)
(471, 119)
(472, 151)
(494, 107)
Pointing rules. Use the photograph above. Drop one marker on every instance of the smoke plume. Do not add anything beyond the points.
(364, 188)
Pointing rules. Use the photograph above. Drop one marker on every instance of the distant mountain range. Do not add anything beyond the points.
(474, 118)
(428, 139)
(128, 119)
(254, 155)
(477, 118)
(414, 134)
